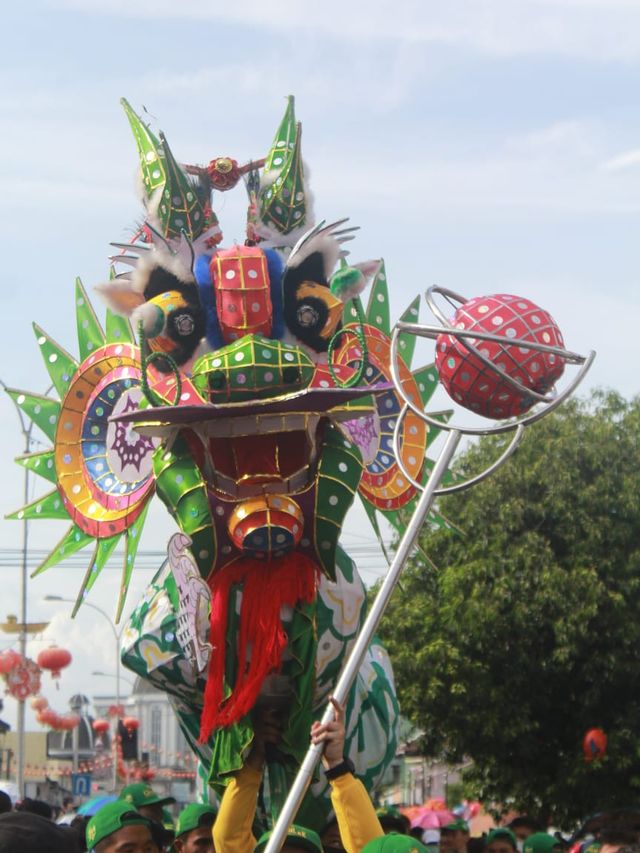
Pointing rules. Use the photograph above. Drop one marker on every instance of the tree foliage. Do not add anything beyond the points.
(527, 634)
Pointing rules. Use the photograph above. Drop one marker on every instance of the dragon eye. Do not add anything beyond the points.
(307, 316)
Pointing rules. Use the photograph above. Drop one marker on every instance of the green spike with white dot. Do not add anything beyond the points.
(407, 342)
(350, 312)
(132, 538)
(282, 203)
(73, 540)
(284, 139)
(43, 411)
(426, 379)
(338, 477)
(373, 518)
(90, 334)
(179, 208)
(59, 363)
(42, 464)
(432, 431)
(48, 506)
(152, 162)
(118, 329)
(378, 314)
(103, 550)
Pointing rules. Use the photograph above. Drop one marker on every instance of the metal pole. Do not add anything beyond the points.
(116, 635)
(356, 656)
(23, 620)
(117, 721)
(26, 432)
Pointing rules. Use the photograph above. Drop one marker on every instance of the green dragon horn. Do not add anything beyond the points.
(282, 200)
(170, 196)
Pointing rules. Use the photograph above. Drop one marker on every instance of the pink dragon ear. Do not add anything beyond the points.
(369, 269)
(121, 296)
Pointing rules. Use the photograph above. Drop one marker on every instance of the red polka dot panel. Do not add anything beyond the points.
(479, 387)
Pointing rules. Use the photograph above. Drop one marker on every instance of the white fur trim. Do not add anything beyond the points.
(159, 258)
(327, 245)
(148, 314)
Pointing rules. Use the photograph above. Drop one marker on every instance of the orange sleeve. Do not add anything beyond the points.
(356, 816)
(232, 828)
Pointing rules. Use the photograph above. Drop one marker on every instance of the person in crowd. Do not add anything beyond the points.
(501, 840)
(68, 805)
(429, 837)
(78, 826)
(355, 813)
(392, 820)
(38, 807)
(144, 799)
(299, 840)
(394, 842)
(330, 837)
(454, 836)
(194, 829)
(612, 838)
(5, 802)
(522, 827)
(542, 842)
(27, 832)
(119, 828)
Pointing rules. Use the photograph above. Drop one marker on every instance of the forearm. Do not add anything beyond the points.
(355, 813)
(232, 829)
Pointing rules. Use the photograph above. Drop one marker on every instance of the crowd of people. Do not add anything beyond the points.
(138, 821)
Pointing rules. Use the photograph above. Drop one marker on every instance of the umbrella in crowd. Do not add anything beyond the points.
(93, 805)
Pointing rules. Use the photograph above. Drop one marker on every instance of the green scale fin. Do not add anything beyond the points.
(90, 334)
(73, 540)
(60, 365)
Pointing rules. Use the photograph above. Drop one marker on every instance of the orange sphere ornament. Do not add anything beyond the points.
(594, 745)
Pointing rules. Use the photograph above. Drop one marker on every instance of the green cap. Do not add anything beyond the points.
(140, 794)
(502, 833)
(110, 819)
(455, 825)
(193, 816)
(394, 843)
(391, 818)
(167, 820)
(298, 835)
(540, 842)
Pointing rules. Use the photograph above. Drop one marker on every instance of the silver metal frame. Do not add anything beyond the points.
(429, 490)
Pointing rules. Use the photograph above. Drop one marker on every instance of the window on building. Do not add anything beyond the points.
(155, 735)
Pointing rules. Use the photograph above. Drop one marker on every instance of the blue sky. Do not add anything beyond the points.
(484, 145)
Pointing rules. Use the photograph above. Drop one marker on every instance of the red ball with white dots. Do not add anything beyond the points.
(477, 386)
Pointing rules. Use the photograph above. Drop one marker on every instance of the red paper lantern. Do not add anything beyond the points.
(479, 387)
(48, 717)
(100, 727)
(39, 703)
(23, 680)
(131, 724)
(9, 660)
(594, 745)
(54, 659)
(115, 711)
(67, 722)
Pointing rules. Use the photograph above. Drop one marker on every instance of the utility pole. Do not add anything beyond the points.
(24, 626)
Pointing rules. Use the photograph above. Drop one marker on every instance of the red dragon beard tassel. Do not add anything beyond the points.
(267, 587)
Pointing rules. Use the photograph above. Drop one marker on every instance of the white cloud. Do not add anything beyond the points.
(626, 160)
(593, 29)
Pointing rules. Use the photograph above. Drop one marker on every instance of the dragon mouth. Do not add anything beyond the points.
(255, 447)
